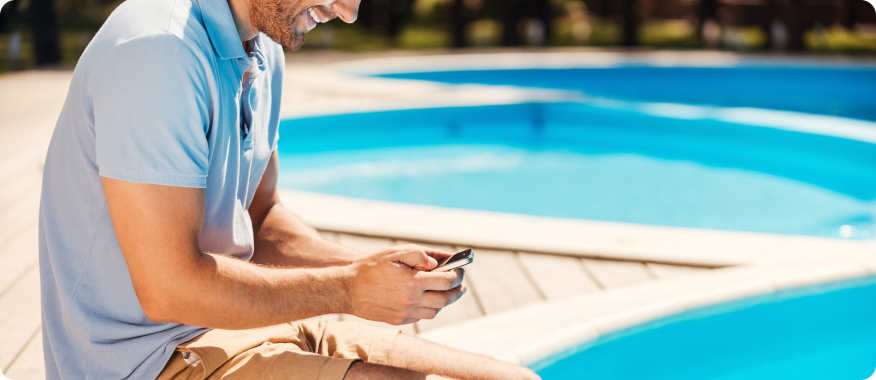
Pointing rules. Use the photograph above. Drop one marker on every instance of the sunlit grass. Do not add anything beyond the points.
(670, 33)
(838, 39)
(423, 38)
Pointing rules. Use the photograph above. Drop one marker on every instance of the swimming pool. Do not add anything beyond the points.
(662, 155)
(817, 332)
(840, 90)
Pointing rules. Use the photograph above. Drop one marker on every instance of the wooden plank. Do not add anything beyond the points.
(558, 276)
(19, 185)
(664, 272)
(29, 364)
(365, 244)
(17, 218)
(17, 257)
(613, 274)
(21, 316)
(409, 329)
(463, 309)
(499, 281)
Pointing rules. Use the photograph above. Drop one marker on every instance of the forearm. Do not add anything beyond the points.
(283, 240)
(221, 292)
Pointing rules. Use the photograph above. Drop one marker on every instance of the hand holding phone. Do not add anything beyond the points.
(456, 261)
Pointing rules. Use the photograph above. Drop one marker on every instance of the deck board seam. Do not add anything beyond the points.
(477, 298)
(24, 347)
(5, 240)
(18, 278)
(651, 272)
(526, 273)
(592, 276)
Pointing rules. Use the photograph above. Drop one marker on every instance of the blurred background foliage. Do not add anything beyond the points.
(53, 33)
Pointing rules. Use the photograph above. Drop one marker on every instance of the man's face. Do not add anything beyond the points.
(286, 21)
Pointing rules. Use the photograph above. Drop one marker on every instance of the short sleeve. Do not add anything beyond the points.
(152, 112)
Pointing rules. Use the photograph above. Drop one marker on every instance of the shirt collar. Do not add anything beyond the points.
(221, 29)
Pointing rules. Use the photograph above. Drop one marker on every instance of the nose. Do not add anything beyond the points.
(347, 10)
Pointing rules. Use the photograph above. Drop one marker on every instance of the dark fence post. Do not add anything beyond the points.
(510, 20)
(545, 15)
(707, 11)
(766, 25)
(795, 23)
(44, 26)
(630, 16)
(457, 23)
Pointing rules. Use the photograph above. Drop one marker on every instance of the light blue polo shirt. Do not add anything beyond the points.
(158, 97)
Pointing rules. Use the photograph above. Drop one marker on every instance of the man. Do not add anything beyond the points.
(164, 250)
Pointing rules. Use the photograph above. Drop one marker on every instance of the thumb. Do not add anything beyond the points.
(418, 259)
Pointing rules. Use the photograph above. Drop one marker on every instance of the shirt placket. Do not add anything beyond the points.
(248, 106)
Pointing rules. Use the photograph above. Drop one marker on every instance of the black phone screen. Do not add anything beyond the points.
(459, 256)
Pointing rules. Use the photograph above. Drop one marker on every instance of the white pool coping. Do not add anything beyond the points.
(758, 263)
(579, 59)
(573, 237)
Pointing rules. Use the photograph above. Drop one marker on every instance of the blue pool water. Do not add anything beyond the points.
(848, 91)
(820, 332)
(624, 159)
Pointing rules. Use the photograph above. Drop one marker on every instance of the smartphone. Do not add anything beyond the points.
(458, 260)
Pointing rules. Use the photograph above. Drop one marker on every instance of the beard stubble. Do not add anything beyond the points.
(278, 19)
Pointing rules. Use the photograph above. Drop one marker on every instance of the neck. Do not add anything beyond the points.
(240, 14)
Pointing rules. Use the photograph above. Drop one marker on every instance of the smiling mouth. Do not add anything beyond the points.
(313, 18)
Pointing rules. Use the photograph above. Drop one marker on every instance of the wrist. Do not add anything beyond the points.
(344, 277)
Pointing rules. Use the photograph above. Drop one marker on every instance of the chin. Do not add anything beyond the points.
(294, 43)
(292, 40)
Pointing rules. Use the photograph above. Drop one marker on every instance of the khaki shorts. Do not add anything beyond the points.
(305, 350)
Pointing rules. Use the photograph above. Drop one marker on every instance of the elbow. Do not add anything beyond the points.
(158, 306)
(155, 314)
(164, 296)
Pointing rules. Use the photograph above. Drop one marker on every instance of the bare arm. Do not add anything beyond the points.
(281, 238)
(158, 227)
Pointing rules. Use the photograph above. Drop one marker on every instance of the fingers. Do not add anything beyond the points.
(440, 300)
(416, 258)
(437, 254)
(433, 302)
(424, 313)
(439, 281)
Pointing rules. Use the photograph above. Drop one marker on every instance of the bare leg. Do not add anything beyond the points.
(368, 371)
(427, 357)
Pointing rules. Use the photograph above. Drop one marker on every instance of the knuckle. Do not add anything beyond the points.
(400, 317)
(409, 301)
(446, 302)
(447, 283)
(410, 285)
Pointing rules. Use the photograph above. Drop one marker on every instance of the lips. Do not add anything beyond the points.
(312, 18)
